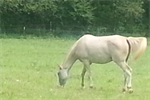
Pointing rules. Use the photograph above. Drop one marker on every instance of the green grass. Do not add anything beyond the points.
(28, 70)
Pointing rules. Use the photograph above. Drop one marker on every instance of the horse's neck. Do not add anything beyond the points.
(69, 61)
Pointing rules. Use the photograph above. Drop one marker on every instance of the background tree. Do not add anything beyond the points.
(96, 16)
(146, 17)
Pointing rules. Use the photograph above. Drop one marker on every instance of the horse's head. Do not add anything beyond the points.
(62, 76)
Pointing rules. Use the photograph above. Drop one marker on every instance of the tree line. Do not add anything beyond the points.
(129, 16)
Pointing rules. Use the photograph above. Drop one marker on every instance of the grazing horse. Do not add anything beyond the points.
(103, 49)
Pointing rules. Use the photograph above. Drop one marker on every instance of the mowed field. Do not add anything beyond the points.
(28, 70)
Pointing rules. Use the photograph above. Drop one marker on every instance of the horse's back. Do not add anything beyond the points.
(100, 49)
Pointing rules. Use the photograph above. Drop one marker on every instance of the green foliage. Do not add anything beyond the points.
(130, 9)
(132, 12)
(34, 16)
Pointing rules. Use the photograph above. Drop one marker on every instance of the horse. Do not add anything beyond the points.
(101, 50)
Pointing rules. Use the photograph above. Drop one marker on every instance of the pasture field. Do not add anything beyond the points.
(28, 70)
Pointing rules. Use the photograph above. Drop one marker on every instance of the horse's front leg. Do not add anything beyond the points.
(91, 81)
(87, 68)
(82, 75)
(89, 75)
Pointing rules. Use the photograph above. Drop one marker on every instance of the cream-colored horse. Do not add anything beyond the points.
(103, 49)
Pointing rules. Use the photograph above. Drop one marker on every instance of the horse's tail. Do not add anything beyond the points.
(138, 46)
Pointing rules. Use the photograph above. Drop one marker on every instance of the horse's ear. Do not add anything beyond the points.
(59, 66)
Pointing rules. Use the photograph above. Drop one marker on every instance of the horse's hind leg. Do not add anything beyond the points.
(127, 75)
(129, 84)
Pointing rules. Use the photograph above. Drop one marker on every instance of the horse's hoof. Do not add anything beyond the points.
(83, 87)
(91, 86)
(130, 90)
(124, 90)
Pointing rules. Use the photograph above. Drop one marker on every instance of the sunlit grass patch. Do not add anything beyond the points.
(28, 70)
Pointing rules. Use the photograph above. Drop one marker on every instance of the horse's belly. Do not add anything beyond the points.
(100, 59)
